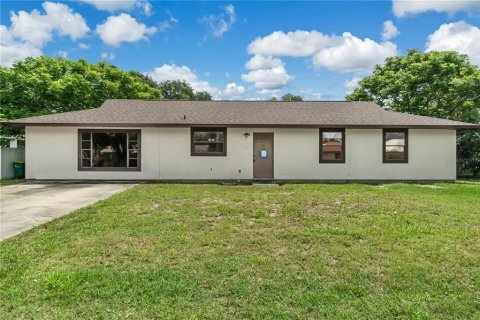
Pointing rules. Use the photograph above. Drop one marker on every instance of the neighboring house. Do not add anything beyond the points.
(239, 141)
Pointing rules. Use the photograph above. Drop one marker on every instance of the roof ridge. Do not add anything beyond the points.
(224, 100)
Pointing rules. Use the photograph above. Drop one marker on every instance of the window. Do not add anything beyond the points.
(109, 150)
(395, 145)
(332, 145)
(209, 141)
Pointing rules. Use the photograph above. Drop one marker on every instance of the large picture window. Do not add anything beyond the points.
(395, 145)
(332, 145)
(109, 150)
(208, 141)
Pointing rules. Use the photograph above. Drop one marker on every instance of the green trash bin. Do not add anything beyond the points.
(19, 169)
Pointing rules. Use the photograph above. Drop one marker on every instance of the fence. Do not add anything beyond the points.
(7, 156)
(468, 168)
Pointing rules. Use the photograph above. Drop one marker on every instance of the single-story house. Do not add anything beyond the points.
(239, 141)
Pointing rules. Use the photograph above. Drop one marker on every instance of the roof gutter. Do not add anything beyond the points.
(167, 125)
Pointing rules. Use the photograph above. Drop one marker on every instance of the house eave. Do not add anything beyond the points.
(238, 125)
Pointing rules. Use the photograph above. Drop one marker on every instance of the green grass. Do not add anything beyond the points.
(7, 182)
(289, 252)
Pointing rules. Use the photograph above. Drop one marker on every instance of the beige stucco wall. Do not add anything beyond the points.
(51, 153)
(431, 156)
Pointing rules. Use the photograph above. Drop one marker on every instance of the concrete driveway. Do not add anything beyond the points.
(25, 205)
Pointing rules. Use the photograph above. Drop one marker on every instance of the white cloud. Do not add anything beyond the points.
(269, 79)
(268, 73)
(84, 46)
(389, 30)
(459, 36)
(123, 28)
(112, 5)
(354, 54)
(146, 7)
(168, 23)
(261, 62)
(305, 90)
(344, 53)
(107, 56)
(37, 28)
(410, 7)
(116, 5)
(29, 32)
(31, 27)
(12, 50)
(352, 84)
(292, 44)
(174, 72)
(232, 90)
(221, 23)
(272, 92)
(310, 94)
(62, 54)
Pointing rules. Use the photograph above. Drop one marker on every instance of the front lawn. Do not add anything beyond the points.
(331, 251)
(9, 181)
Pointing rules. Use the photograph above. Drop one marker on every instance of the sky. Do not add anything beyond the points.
(241, 50)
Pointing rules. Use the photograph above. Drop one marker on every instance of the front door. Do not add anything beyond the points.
(262, 155)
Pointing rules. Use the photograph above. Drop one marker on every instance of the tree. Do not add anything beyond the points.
(273, 99)
(145, 78)
(291, 97)
(437, 84)
(182, 90)
(45, 85)
(177, 90)
(203, 95)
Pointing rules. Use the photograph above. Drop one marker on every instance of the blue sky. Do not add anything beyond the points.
(240, 49)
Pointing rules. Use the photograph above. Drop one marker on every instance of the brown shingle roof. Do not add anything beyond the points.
(239, 114)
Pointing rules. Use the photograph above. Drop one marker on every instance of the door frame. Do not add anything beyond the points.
(273, 155)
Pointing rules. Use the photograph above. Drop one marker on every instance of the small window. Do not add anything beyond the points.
(332, 145)
(109, 150)
(208, 141)
(395, 145)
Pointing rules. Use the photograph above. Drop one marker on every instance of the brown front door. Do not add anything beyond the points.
(262, 155)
